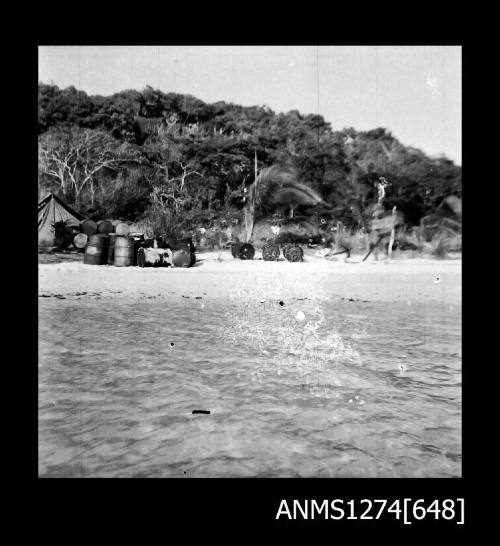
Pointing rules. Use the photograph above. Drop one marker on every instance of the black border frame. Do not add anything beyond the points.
(245, 503)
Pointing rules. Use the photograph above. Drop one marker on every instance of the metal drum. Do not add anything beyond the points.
(183, 258)
(111, 248)
(88, 226)
(80, 240)
(122, 228)
(185, 243)
(105, 227)
(96, 251)
(64, 237)
(124, 251)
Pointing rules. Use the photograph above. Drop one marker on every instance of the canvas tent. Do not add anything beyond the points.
(51, 210)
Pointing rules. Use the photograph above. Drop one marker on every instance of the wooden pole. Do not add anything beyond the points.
(249, 210)
(255, 166)
(393, 233)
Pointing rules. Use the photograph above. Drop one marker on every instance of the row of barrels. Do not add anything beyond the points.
(104, 227)
(123, 251)
(111, 249)
(78, 233)
(270, 252)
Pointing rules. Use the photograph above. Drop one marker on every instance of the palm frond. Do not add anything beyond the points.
(277, 185)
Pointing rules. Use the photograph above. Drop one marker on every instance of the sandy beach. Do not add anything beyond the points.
(219, 275)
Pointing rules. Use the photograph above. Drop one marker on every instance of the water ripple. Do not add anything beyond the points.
(356, 390)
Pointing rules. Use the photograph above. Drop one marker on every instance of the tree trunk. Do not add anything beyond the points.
(249, 219)
(77, 195)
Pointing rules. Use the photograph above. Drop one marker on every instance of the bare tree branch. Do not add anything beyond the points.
(74, 158)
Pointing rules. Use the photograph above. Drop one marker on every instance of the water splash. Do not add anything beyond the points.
(307, 350)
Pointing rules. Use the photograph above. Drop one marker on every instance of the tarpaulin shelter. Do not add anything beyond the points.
(51, 209)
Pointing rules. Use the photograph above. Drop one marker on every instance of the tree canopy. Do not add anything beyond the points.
(127, 154)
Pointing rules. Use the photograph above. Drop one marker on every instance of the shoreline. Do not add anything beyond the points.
(217, 275)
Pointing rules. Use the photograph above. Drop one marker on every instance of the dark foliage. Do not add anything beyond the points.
(171, 152)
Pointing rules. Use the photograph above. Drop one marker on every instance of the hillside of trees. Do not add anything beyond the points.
(137, 155)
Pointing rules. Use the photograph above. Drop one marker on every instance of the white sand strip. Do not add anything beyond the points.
(398, 280)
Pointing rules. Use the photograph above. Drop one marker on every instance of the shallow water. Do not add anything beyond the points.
(355, 389)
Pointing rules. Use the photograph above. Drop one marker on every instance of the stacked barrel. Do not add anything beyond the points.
(124, 251)
(111, 242)
(82, 232)
(183, 255)
(65, 231)
(106, 242)
(96, 251)
(87, 229)
(105, 227)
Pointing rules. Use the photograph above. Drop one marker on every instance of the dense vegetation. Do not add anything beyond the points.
(173, 158)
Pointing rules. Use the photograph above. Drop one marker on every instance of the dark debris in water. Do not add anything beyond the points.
(202, 411)
(76, 294)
